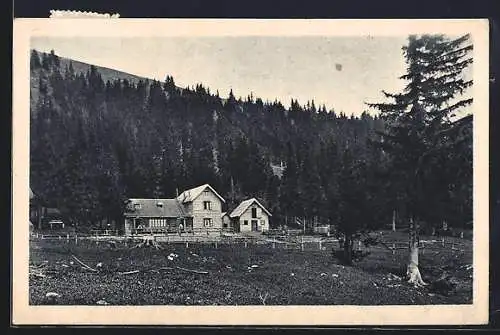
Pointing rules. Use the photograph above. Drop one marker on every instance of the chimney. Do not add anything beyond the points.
(176, 192)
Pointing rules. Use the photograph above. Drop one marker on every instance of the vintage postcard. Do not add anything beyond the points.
(250, 172)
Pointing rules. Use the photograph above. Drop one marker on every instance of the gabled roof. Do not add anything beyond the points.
(243, 206)
(170, 208)
(193, 193)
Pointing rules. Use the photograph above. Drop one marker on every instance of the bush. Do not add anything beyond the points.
(357, 255)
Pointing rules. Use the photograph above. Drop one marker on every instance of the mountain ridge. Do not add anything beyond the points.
(107, 73)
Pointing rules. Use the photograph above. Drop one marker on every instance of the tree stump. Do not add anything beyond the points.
(148, 241)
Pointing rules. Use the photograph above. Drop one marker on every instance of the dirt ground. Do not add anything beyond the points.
(234, 275)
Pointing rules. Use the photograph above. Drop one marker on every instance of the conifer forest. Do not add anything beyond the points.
(98, 137)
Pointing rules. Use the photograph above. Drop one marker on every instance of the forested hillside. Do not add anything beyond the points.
(100, 137)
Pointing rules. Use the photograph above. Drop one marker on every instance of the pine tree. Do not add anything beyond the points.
(45, 61)
(54, 59)
(35, 60)
(289, 192)
(69, 74)
(353, 202)
(420, 126)
(312, 192)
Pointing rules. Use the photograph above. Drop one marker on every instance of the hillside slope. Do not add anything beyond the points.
(107, 74)
(97, 139)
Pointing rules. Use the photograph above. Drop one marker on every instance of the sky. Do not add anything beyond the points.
(340, 72)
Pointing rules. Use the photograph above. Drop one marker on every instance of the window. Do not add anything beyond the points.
(159, 204)
(157, 223)
(245, 222)
(207, 205)
(206, 192)
(254, 212)
(207, 222)
(137, 206)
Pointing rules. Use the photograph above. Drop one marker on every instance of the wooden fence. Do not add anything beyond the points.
(219, 238)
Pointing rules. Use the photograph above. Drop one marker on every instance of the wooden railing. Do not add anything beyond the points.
(104, 232)
(185, 231)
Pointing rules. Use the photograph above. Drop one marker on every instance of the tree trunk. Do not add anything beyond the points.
(348, 250)
(39, 216)
(394, 220)
(412, 270)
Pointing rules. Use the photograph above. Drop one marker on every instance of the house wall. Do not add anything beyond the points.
(168, 223)
(128, 226)
(262, 217)
(235, 224)
(199, 213)
(226, 222)
(188, 208)
(163, 223)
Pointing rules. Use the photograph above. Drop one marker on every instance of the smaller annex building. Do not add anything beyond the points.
(250, 215)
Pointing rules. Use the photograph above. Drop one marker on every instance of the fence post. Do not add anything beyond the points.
(76, 239)
(274, 242)
(245, 243)
(394, 220)
(302, 243)
(216, 244)
(320, 245)
(187, 244)
(442, 241)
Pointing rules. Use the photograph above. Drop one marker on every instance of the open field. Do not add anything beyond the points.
(233, 274)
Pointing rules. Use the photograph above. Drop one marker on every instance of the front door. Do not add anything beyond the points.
(236, 225)
(254, 225)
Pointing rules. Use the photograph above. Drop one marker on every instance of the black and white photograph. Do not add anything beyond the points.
(308, 165)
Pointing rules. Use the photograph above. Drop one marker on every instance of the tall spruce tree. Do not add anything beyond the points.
(353, 201)
(289, 192)
(420, 126)
(35, 60)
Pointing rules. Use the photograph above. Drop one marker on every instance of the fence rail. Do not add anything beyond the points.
(184, 231)
(218, 238)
